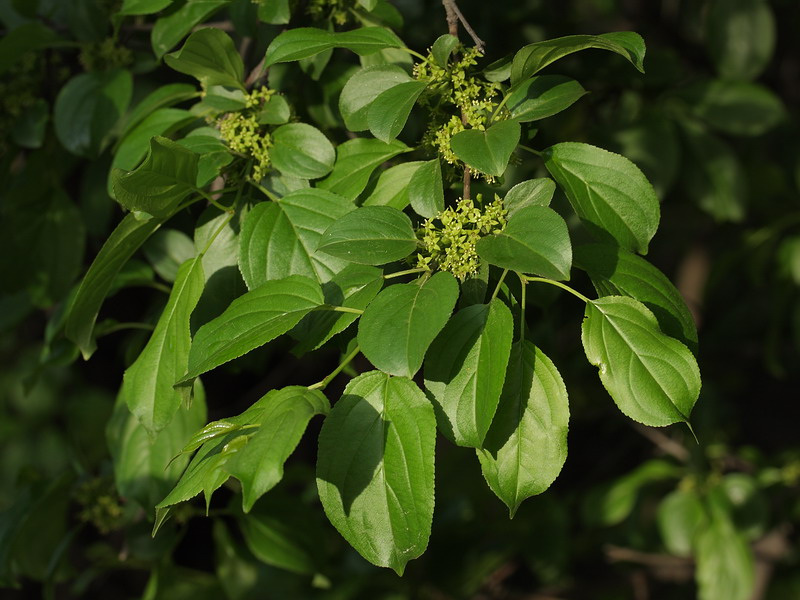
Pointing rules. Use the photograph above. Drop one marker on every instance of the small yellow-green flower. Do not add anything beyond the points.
(450, 244)
(243, 134)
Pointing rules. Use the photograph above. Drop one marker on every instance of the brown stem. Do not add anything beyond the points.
(454, 15)
(665, 443)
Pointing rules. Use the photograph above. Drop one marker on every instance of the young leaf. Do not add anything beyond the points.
(158, 185)
(87, 108)
(279, 535)
(252, 320)
(375, 468)
(371, 235)
(741, 37)
(617, 272)
(543, 96)
(401, 322)
(526, 446)
(280, 238)
(533, 192)
(680, 518)
(388, 113)
(353, 287)
(355, 162)
(274, 12)
(259, 464)
(465, 369)
(487, 151)
(534, 57)
(609, 193)
(393, 186)
(425, 189)
(303, 42)
(535, 240)
(210, 57)
(118, 248)
(162, 97)
(362, 88)
(302, 151)
(143, 7)
(147, 384)
(442, 48)
(171, 28)
(653, 378)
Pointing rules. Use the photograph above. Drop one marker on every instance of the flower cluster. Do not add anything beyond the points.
(105, 55)
(243, 134)
(473, 97)
(449, 245)
(99, 504)
(332, 10)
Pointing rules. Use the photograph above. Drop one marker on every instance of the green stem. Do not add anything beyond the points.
(207, 197)
(217, 232)
(557, 284)
(496, 112)
(263, 190)
(499, 283)
(406, 272)
(531, 150)
(414, 53)
(343, 309)
(131, 325)
(321, 385)
(159, 286)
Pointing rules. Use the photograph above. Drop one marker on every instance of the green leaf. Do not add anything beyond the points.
(173, 27)
(134, 145)
(532, 58)
(362, 88)
(303, 42)
(609, 193)
(653, 378)
(143, 7)
(285, 416)
(465, 368)
(401, 322)
(388, 112)
(158, 185)
(442, 48)
(252, 320)
(29, 129)
(279, 536)
(725, 562)
(527, 444)
(425, 189)
(741, 37)
(274, 12)
(279, 239)
(542, 97)
(713, 175)
(275, 111)
(164, 96)
(355, 162)
(302, 151)
(735, 107)
(353, 287)
(88, 107)
(28, 37)
(375, 468)
(210, 57)
(118, 248)
(533, 192)
(147, 384)
(487, 151)
(144, 469)
(392, 188)
(680, 518)
(371, 235)
(535, 240)
(612, 502)
(213, 155)
(617, 272)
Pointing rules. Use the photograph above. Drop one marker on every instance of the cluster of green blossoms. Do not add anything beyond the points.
(473, 97)
(243, 133)
(99, 504)
(449, 238)
(105, 55)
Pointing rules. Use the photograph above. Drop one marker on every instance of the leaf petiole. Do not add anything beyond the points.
(577, 294)
(321, 385)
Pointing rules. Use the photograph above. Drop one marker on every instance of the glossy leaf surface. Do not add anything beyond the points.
(210, 57)
(355, 162)
(465, 368)
(375, 461)
(487, 151)
(302, 151)
(401, 322)
(543, 96)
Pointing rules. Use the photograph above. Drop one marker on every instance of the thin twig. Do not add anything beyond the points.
(664, 442)
(452, 9)
(257, 73)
